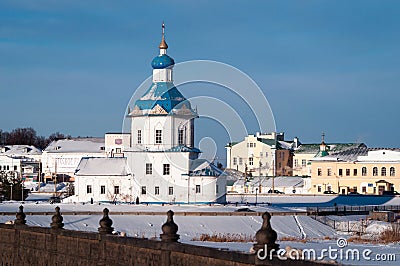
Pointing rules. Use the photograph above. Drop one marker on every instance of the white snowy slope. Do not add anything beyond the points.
(189, 226)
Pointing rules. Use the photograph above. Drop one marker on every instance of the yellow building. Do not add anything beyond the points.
(305, 153)
(362, 170)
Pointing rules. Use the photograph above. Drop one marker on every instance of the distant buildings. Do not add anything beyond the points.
(358, 170)
(21, 161)
(262, 155)
(305, 153)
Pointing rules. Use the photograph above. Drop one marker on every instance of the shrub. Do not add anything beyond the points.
(225, 238)
(392, 234)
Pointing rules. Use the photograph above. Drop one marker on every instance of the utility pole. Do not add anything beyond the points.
(55, 177)
(256, 196)
(273, 172)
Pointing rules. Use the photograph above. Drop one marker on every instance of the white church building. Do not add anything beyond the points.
(162, 161)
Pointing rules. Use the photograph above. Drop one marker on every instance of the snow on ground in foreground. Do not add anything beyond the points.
(30, 206)
(318, 246)
(189, 226)
(149, 226)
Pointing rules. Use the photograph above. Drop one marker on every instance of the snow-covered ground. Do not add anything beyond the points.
(191, 227)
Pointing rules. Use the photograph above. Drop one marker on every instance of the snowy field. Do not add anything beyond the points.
(190, 227)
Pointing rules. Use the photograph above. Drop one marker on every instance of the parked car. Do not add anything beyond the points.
(390, 193)
(275, 191)
(353, 193)
(329, 192)
(54, 199)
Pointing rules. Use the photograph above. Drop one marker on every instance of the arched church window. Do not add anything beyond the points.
(158, 136)
(180, 137)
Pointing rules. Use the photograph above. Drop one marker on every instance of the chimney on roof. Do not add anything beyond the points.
(296, 142)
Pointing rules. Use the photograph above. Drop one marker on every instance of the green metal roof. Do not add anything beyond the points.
(313, 148)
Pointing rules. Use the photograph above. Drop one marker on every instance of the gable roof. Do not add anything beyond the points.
(202, 167)
(19, 150)
(115, 166)
(76, 145)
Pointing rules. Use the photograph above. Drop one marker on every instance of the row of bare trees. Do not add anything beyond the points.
(28, 136)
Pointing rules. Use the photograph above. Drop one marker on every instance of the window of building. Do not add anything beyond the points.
(8, 167)
(234, 161)
(180, 136)
(283, 155)
(303, 162)
(149, 169)
(139, 136)
(156, 190)
(296, 162)
(347, 172)
(355, 172)
(266, 154)
(319, 171)
(118, 150)
(383, 171)
(364, 171)
(102, 189)
(116, 190)
(392, 171)
(319, 189)
(217, 189)
(158, 136)
(340, 172)
(170, 190)
(144, 190)
(240, 161)
(261, 154)
(166, 169)
(197, 188)
(279, 165)
(329, 172)
(15, 168)
(251, 162)
(89, 189)
(375, 171)
(364, 189)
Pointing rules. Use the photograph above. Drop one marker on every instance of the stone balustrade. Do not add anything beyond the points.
(28, 245)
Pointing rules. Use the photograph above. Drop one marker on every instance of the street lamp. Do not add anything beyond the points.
(256, 196)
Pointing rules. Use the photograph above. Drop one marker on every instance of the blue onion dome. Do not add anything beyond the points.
(162, 61)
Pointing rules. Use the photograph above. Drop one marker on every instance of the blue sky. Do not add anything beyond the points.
(333, 66)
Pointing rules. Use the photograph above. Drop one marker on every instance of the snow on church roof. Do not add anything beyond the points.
(164, 94)
(76, 145)
(102, 167)
(202, 167)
